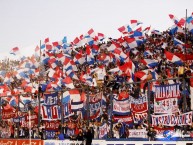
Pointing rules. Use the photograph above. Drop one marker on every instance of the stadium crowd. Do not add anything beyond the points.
(112, 66)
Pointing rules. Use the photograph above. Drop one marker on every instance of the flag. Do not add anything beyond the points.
(76, 106)
(135, 23)
(146, 30)
(46, 40)
(156, 32)
(68, 82)
(25, 99)
(174, 18)
(173, 58)
(142, 75)
(179, 43)
(64, 40)
(91, 33)
(14, 51)
(73, 94)
(190, 26)
(125, 29)
(101, 36)
(147, 52)
(37, 49)
(149, 63)
(76, 41)
(133, 42)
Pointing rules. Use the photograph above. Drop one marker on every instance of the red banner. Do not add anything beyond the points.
(20, 142)
(126, 119)
(8, 142)
(29, 142)
(52, 125)
(8, 114)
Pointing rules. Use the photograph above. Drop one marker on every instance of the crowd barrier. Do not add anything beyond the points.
(95, 142)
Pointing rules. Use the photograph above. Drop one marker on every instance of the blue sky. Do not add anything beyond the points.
(25, 22)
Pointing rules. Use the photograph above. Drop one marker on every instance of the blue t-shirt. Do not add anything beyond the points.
(61, 136)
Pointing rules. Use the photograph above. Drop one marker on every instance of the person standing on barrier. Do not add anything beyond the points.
(151, 134)
(88, 136)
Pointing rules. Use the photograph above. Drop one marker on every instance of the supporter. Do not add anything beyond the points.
(80, 136)
(151, 134)
(60, 136)
(88, 136)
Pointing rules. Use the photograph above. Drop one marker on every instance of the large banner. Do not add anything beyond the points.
(166, 106)
(137, 133)
(172, 119)
(95, 105)
(21, 142)
(160, 132)
(137, 117)
(163, 92)
(121, 107)
(26, 121)
(51, 112)
(51, 99)
(139, 105)
(51, 128)
(103, 131)
(166, 98)
(127, 119)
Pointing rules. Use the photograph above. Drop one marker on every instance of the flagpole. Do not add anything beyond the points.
(185, 37)
(62, 105)
(88, 107)
(111, 114)
(183, 80)
(149, 107)
(17, 115)
(39, 89)
(29, 126)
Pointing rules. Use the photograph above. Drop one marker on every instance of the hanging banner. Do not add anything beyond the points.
(8, 142)
(103, 131)
(168, 106)
(95, 107)
(139, 116)
(139, 105)
(137, 133)
(51, 99)
(172, 119)
(121, 107)
(51, 112)
(126, 119)
(167, 92)
(160, 131)
(8, 114)
(51, 128)
(33, 120)
(29, 142)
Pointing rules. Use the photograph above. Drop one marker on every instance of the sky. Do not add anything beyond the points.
(24, 23)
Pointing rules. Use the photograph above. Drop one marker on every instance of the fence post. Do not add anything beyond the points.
(62, 110)
(18, 125)
(111, 115)
(88, 107)
(184, 95)
(39, 109)
(149, 105)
